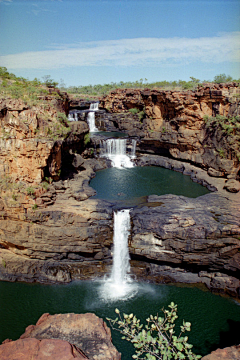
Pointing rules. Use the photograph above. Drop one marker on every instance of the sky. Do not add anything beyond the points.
(102, 41)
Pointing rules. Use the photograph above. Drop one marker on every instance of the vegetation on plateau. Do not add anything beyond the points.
(51, 125)
(30, 91)
(157, 340)
(99, 90)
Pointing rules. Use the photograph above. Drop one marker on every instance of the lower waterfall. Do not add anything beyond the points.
(119, 285)
(115, 150)
(121, 265)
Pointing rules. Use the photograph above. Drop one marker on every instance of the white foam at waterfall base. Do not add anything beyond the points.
(115, 150)
(119, 285)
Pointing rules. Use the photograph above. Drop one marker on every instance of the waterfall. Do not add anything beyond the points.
(73, 116)
(115, 150)
(70, 117)
(91, 117)
(121, 265)
(119, 285)
(133, 152)
(94, 106)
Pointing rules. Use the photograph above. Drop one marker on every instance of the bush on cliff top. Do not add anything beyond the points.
(31, 92)
(157, 340)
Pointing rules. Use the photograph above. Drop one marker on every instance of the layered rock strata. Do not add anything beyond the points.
(57, 232)
(27, 142)
(174, 124)
(174, 238)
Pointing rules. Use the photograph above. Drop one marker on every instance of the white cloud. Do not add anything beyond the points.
(6, 2)
(131, 52)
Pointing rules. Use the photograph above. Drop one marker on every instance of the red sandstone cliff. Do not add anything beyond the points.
(175, 124)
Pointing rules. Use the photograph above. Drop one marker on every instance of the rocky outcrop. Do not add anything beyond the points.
(55, 232)
(175, 124)
(199, 235)
(174, 239)
(229, 353)
(33, 349)
(65, 337)
(34, 142)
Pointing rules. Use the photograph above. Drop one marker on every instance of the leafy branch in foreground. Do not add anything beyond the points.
(157, 339)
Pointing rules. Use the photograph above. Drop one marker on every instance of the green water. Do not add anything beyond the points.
(122, 184)
(215, 320)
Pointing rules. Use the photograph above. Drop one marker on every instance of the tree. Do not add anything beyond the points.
(194, 80)
(157, 340)
(49, 82)
(222, 78)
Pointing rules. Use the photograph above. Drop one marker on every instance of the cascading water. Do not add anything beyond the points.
(133, 151)
(115, 150)
(121, 265)
(70, 117)
(119, 285)
(73, 116)
(91, 117)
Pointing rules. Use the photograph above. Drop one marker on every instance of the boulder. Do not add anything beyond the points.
(29, 349)
(65, 337)
(229, 353)
(232, 185)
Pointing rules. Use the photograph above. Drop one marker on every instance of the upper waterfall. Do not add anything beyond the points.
(115, 150)
(91, 117)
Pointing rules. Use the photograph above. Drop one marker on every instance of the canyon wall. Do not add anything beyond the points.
(50, 228)
(185, 125)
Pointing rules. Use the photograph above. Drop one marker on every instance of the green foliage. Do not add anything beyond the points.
(221, 153)
(45, 185)
(222, 78)
(157, 339)
(4, 263)
(134, 111)
(62, 118)
(34, 207)
(141, 115)
(31, 92)
(86, 139)
(30, 190)
(49, 82)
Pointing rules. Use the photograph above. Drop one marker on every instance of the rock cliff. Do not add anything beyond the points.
(65, 337)
(53, 231)
(190, 126)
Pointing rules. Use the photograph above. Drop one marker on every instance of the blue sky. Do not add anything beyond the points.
(104, 41)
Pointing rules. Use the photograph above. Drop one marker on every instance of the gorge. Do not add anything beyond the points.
(56, 229)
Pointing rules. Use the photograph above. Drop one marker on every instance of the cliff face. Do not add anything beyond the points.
(180, 124)
(51, 231)
(27, 138)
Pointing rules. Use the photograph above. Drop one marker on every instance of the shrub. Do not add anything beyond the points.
(30, 190)
(141, 115)
(134, 111)
(157, 340)
(86, 139)
(62, 118)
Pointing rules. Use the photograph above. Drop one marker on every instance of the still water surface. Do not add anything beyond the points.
(121, 184)
(215, 320)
